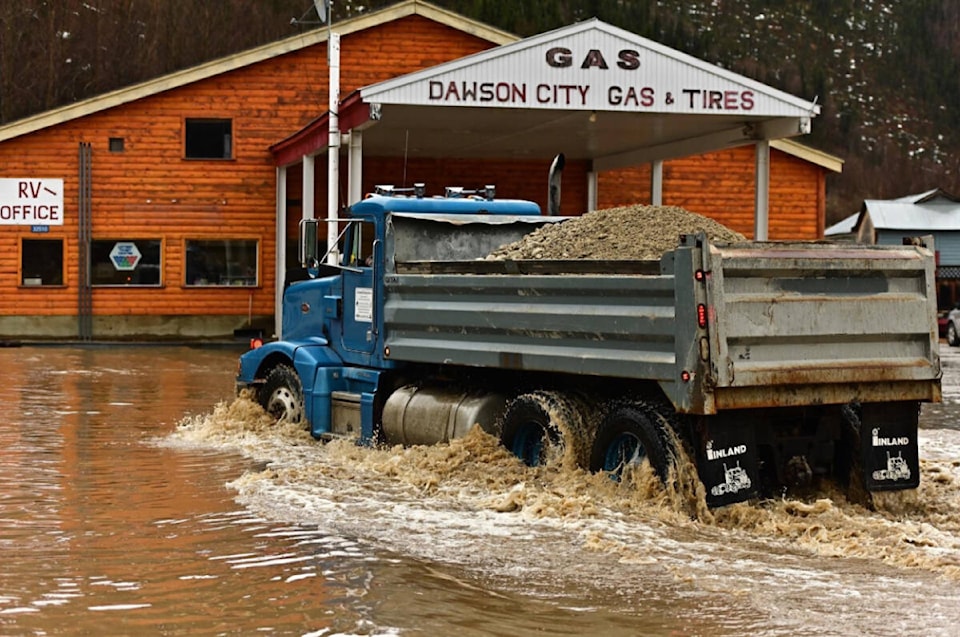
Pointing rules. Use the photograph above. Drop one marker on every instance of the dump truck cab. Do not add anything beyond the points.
(332, 330)
(344, 302)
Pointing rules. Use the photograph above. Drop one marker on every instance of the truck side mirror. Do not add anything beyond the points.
(308, 252)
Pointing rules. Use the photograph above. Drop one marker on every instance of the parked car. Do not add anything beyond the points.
(953, 326)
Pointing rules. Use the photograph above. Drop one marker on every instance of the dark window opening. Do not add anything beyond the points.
(125, 262)
(208, 139)
(116, 144)
(41, 262)
(221, 262)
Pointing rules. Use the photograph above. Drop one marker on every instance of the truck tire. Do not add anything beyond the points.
(953, 339)
(281, 395)
(629, 434)
(529, 431)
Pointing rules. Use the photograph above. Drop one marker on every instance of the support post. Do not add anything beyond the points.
(355, 176)
(333, 147)
(281, 264)
(656, 182)
(592, 190)
(309, 192)
(761, 206)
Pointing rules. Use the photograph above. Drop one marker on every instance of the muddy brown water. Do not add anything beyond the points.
(138, 497)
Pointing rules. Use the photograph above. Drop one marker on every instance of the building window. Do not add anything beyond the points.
(208, 139)
(125, 262)
(221, 262)
(41, 262)
(116, 144)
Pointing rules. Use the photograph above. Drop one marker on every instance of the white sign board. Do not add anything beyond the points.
(589, 66)
(125, 256)
(29, 202)
(363, 305)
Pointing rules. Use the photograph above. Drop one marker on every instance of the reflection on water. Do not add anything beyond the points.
(102, 532)
(131, 506)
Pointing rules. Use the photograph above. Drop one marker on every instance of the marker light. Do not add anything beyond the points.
(701, 315)
(256, 343)
(685, 376)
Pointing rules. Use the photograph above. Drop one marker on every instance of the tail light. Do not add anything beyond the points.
(256, 343)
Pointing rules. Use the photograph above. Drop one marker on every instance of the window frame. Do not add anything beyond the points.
(21, 278)
(258, 252)
(160, 277)
(206, 119)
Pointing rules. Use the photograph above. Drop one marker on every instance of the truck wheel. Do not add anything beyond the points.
(529, 431)
(629, 435)
(953, 339)
(281, 395)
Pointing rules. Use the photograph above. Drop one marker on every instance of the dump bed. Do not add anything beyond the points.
(820, 319)
(716, 326)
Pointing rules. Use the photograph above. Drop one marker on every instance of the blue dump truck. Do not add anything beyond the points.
(772, 365)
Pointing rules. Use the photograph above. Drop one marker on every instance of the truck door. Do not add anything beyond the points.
(359, 291)
(359, 334)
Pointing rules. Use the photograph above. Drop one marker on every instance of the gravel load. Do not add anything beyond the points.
(635, 232)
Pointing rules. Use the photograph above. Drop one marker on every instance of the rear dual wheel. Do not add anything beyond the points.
(629, 435)
(529, 431)
(542, 426)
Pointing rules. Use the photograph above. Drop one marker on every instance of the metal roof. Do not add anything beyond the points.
(932, 210)
(845, 226)
(590, 90)
(897, 214)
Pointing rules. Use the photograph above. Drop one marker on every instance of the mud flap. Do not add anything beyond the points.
(888, 446)
(727, 463)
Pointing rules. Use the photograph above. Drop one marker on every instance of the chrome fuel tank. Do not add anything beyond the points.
(427, 415)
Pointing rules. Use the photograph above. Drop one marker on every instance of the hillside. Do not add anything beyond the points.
(885, 72)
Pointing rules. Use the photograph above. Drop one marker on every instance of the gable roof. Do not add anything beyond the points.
(645, 61)
(590, 90)
(930, 196)
(933, 210)
(246, 58)
(899, 214)
(806, 153)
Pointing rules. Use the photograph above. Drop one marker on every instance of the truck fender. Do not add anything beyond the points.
(308, 360)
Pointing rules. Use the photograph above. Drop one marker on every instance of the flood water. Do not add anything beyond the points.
(139, 497)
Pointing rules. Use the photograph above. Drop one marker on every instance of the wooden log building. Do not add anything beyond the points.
(152, 212)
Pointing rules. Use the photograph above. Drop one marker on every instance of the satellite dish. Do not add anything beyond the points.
(323, 9)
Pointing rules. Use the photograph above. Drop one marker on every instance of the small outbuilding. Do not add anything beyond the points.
(887, 221)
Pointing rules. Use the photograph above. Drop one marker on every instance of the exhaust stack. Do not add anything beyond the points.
(553, 188)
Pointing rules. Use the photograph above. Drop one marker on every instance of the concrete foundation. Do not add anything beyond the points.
(136, 328)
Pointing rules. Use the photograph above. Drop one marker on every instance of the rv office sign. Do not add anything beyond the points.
(31, 202)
